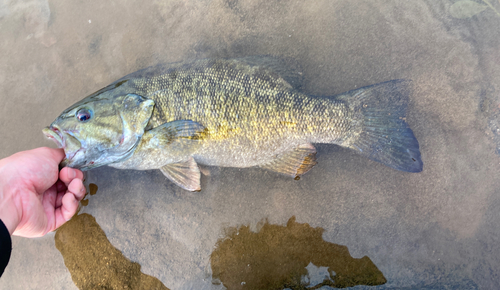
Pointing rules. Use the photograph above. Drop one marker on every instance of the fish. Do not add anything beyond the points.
(240, 112)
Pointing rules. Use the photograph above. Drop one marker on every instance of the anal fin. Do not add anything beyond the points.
(185, 174)
(294, 163)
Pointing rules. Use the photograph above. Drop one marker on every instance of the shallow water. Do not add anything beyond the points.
(435, 229)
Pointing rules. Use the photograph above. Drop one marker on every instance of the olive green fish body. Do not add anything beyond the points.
(237, 113)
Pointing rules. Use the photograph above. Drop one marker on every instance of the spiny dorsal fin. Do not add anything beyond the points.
(295, 162)
(185, 174)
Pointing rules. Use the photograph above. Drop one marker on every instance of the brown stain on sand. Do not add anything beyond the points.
(276, 258)
(92, 190)
(93, 261)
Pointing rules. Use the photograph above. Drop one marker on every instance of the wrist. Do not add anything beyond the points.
(8, 211)
(8, 206)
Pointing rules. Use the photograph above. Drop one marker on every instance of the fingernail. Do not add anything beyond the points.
(72, 173)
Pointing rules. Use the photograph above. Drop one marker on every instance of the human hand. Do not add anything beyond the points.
(35, 197)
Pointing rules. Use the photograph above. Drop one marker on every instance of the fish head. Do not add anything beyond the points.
(100, 130)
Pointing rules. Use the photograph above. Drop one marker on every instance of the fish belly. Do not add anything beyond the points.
(228, 154)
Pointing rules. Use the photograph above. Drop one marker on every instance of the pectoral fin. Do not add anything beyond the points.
(172, 141)
(185, 174)
(295, 162)
(182, 131)
(169, 143)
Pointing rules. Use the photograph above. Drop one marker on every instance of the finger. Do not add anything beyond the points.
(67, 209)
(61, 190)
(60, 195)
(57, 155)
(38, 168)
(77, 188)
(49, 197)
(48, 202)
(61, 187)
(67, 174)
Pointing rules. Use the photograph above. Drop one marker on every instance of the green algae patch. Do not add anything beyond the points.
(277, 256)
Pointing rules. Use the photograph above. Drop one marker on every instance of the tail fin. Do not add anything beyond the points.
(382, 133)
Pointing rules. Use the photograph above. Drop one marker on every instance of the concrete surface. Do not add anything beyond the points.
(438, 229)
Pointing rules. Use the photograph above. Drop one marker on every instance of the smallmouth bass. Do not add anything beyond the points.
(230, 112)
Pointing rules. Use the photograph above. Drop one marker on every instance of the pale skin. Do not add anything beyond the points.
(35, 197)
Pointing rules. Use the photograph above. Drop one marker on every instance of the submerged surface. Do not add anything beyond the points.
(436, 229)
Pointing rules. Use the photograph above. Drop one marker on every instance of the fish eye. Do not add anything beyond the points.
(83, 115)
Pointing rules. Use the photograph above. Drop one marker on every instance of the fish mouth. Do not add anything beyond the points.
(67, 142)
(54, 134)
